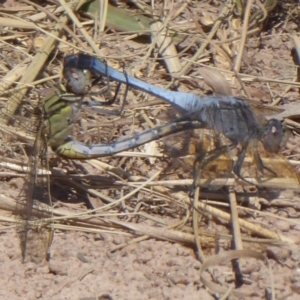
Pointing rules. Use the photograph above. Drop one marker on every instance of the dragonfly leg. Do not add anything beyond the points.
(240, 161)
(95, 105)
(111, 102)
(107, 86)
(260, 165)
(258, 161)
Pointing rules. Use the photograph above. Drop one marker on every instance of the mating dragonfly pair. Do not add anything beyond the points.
(228, 118)
(225, 116)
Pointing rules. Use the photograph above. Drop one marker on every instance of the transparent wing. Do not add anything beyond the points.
(197, 153)
(35, 216)
(22, 132)
(217, 161)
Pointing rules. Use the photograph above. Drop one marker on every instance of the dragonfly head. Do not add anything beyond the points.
(273, 136)
(78, 81)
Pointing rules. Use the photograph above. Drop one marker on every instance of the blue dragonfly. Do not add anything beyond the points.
(228, 116)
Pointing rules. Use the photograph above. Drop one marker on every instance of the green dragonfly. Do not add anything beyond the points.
(54, 120)
(34, 202)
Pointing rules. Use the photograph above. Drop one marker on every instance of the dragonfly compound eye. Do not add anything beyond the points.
(78, 81)
(273, 136)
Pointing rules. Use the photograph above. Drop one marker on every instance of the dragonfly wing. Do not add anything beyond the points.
(34, 216)
(221, 88)
(26, 126)
(197, 152)
(267, 169)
